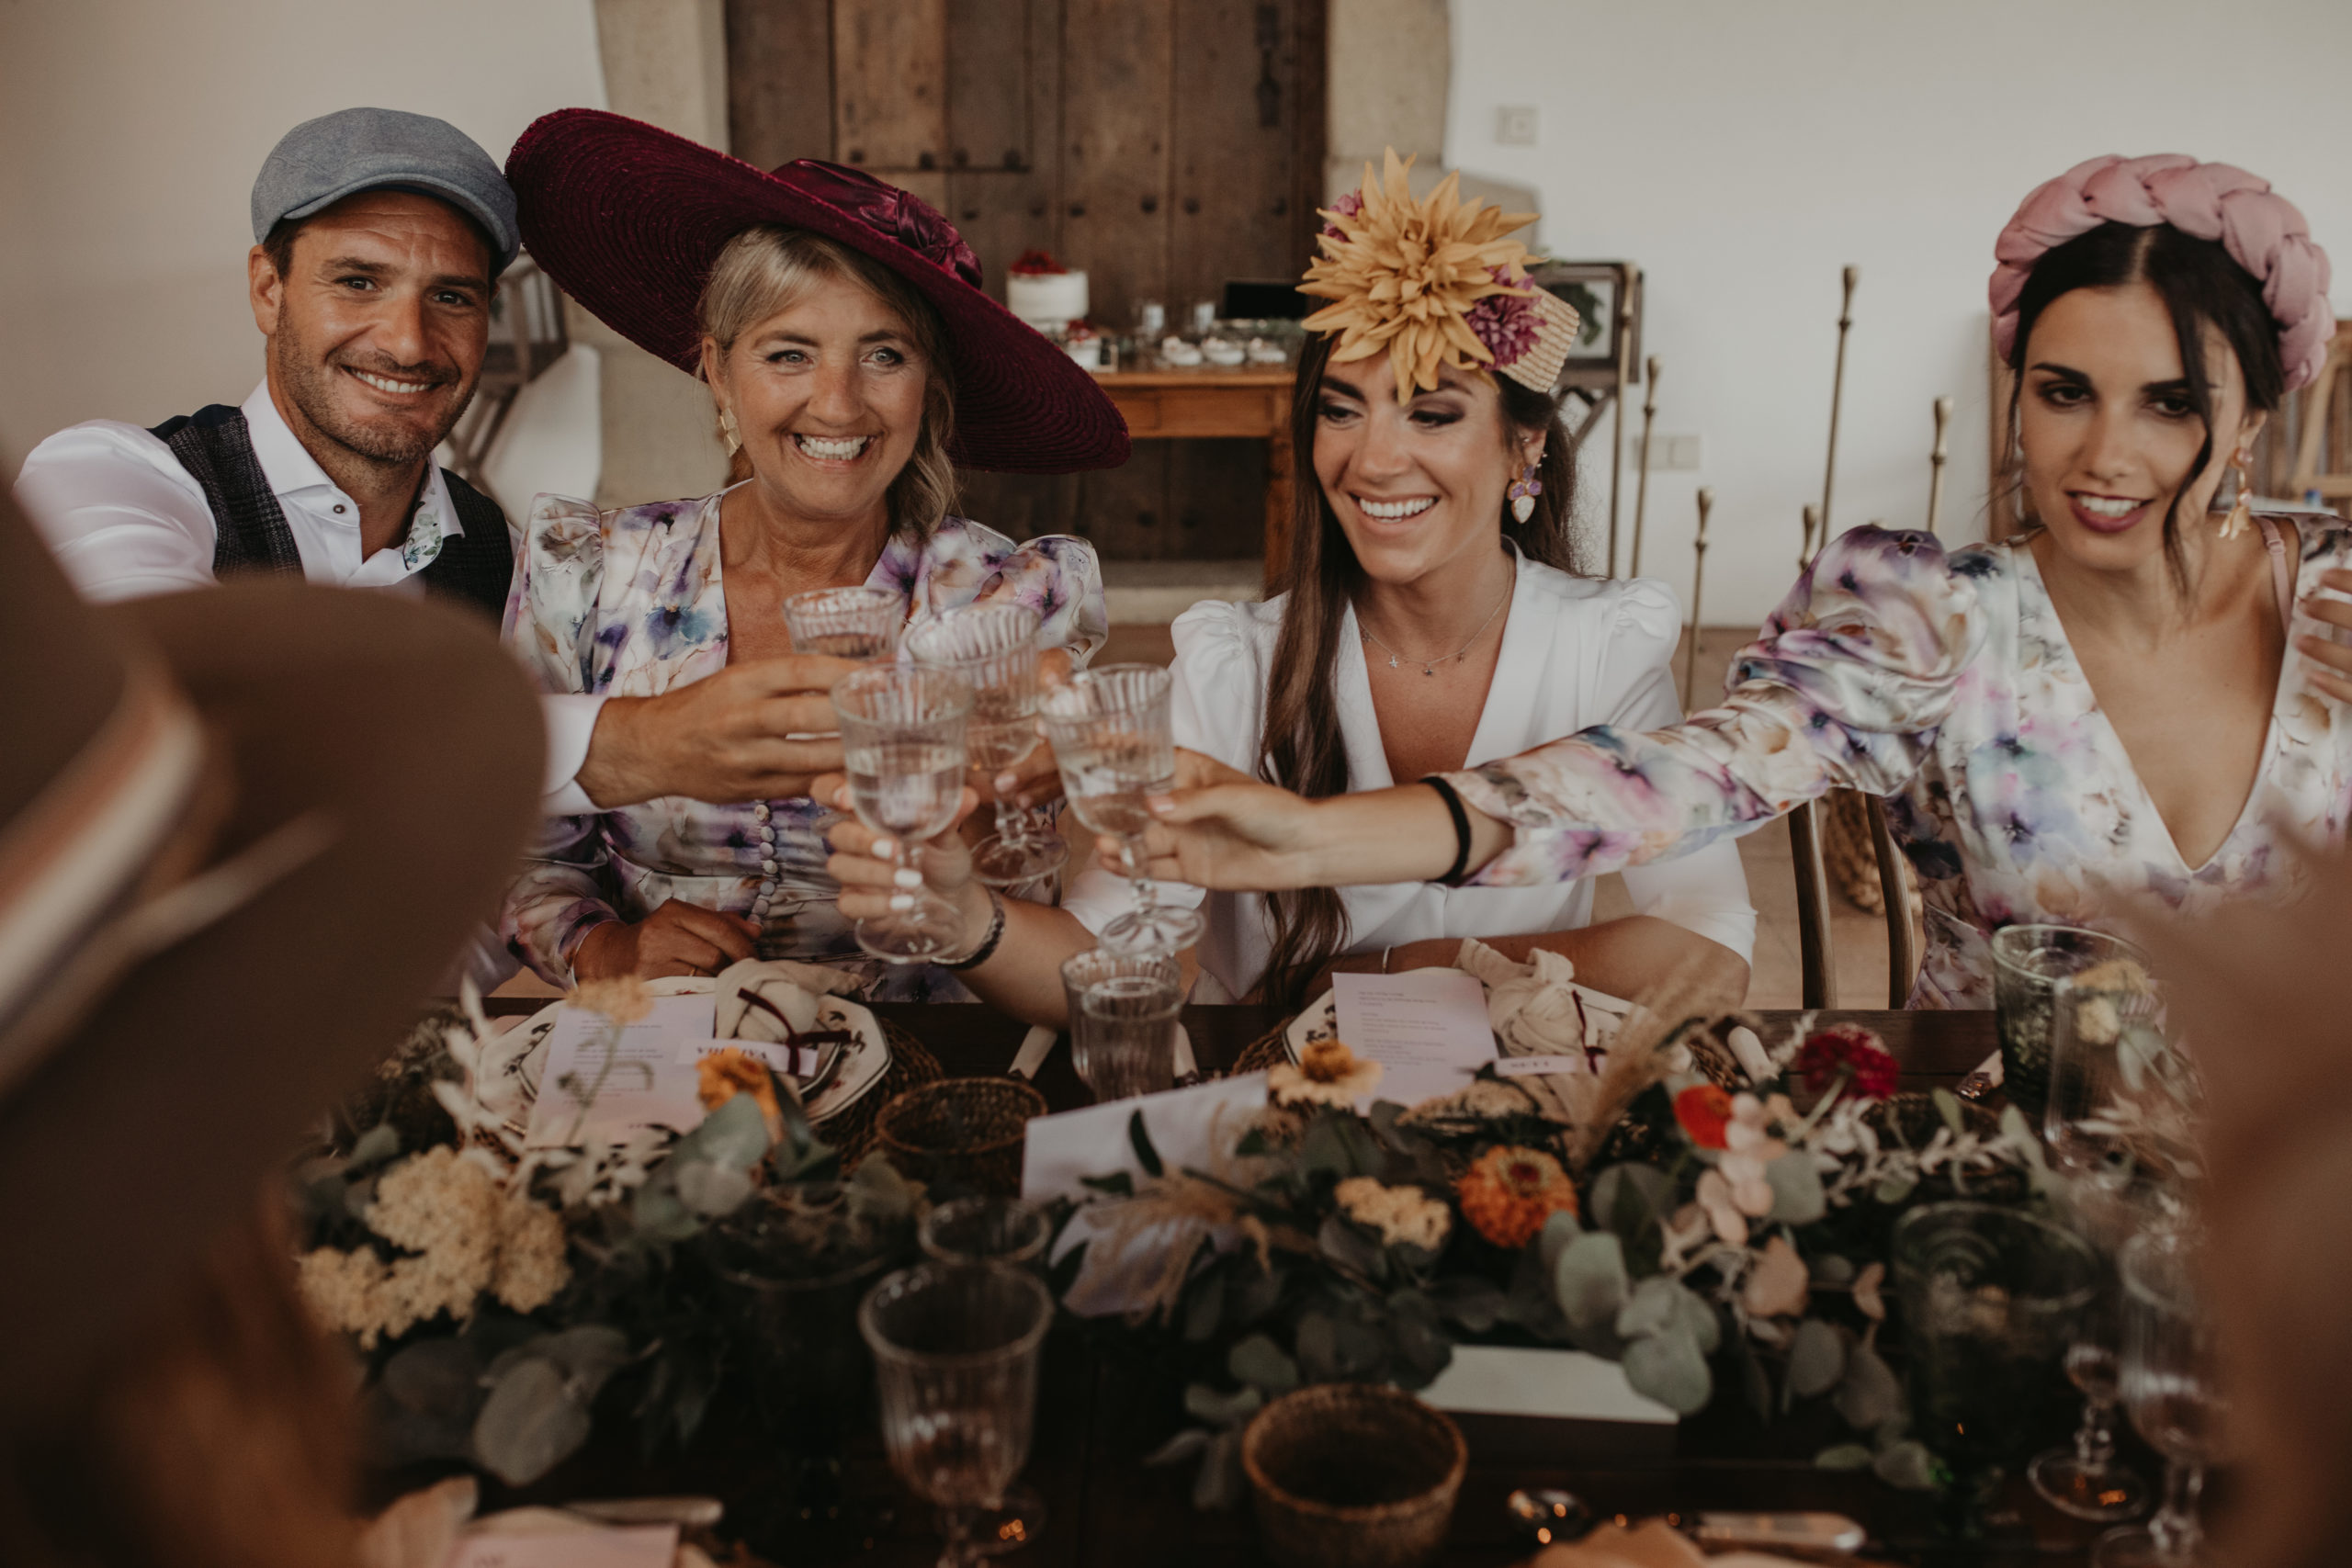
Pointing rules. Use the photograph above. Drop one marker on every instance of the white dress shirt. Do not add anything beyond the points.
(1576, 652)
(126, 520)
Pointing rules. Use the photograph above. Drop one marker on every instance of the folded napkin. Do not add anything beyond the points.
(791, 989)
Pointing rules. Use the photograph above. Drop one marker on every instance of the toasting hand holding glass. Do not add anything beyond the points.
(994, 647)
(902, 741)
(1112, 740)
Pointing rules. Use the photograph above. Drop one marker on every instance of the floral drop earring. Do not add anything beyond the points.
(2241, 515)
(1523, 492)
(728, 429)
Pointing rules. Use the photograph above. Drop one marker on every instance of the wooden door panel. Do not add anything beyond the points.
(1117, 110)
(890, 83)
(1235, 128)
(779, 79)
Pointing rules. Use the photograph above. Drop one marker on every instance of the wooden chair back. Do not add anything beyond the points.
(1815, 962)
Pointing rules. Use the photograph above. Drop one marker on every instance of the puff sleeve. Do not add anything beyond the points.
(1847, 685)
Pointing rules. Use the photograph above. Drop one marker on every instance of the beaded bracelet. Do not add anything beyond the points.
(987, 949)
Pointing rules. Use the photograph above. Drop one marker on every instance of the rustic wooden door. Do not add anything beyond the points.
(1163, 145)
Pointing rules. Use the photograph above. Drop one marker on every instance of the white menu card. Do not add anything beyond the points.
(1427, 1028)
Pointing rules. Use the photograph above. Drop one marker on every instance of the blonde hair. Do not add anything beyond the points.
(768, 268)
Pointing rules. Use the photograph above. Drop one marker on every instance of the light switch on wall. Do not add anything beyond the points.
(1515, 125)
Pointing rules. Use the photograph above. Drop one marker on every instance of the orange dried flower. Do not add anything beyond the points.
(1509, 1192)
(1705, 1111)
(723, 1074)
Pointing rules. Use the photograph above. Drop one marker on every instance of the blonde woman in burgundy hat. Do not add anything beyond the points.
(854, 363)
(2102, 709)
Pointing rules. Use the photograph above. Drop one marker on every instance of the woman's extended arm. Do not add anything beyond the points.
(1847, 686)
(1627, 957)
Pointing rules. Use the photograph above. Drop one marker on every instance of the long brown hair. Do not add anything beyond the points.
(1300, 747)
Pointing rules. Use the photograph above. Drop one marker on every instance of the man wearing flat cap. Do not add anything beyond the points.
(379, 240)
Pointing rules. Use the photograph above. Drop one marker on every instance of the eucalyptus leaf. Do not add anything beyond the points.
(659, 1214)
(1948, 1107)
(1261, 1363)
(1350, 1248)
(530, 1424)
(1844, 1456)
(709, 1189)
(1816, 1359)
(1830, 1269)
(1423, 1350)
(1471, 1300)
(1668, 1368)
(1909, 1466)
(1651, 1308)
(1139, 1136)
(1220, 1485)
(1868, 1393)
(1193, 1439)
(1892, 1189)
(1630, 1198)
(435, 1377)
(735, 1134)
(1797, 1197)
(1560, 1227)
(1206, 1403)
(588, 1354)
(1590, 1281)
(376, 1145)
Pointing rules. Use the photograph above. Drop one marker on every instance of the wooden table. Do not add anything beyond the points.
(1100, 1413)
(1166, 405)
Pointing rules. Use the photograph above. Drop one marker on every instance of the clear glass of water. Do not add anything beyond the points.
(2028, 964)
(955, 1350)
(2170, 1389)
(845, 623)
(995, 647)
(1123, 1021)
(903, 745)
(1110, 732)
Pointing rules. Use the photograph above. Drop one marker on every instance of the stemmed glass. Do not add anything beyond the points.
(845, 623)
(995, 647)
(955, 1350)
(1990, 1298)
(990, 1229)
(2169, 1387)
(1110, 732)
(902, 745)
(1123, 1011)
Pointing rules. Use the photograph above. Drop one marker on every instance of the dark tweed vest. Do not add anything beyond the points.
(214, 446)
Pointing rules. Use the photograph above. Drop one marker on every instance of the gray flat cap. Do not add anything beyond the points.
(321, 161)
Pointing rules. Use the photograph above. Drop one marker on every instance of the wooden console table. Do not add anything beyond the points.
(1175, 405)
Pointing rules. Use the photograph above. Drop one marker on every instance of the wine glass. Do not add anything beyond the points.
(955, 1350)
(999, 1230)
(1110, 732)
(2169, 1387)
(845, 623)
(1990, 1299)
(2083, 1478)
(995, 647)
(1122, 1010)
(902, 745)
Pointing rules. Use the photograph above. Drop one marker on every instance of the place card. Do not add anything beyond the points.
(1535, 1067)
(1194, 1128)
(1514, 1380)
(628, 1546)
(793, 1061)
(1428, 1028)
(649, 1081)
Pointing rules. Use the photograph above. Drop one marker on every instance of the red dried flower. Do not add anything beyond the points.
(1705, 1111)
(1850, 1052)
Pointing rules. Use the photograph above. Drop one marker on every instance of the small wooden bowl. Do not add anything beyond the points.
(1353, 1475)
(960, 1131)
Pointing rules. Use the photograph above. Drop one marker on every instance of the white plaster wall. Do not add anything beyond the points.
(133, 130)
(1743, 152)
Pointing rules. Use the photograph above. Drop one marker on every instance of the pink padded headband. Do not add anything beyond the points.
(2263, 234)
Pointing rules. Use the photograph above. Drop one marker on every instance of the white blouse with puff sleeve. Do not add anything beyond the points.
(1576, 652)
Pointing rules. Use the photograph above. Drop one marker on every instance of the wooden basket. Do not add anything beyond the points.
(911, 1065)
(965, 1133)
(1352, 1475)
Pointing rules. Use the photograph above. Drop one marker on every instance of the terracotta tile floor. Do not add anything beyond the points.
(1858, 938)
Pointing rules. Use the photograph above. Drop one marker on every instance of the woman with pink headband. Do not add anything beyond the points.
(2098, 710)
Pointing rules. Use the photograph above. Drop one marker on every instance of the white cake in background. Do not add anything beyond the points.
(1046, 300)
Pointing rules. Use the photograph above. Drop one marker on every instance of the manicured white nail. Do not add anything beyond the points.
(901, 902)
(907, 876)
(1005, 782)
(886, 848)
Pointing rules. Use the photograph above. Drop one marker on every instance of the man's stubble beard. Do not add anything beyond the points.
(311, 386)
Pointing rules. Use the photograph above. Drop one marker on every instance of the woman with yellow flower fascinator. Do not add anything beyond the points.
(1435, 615)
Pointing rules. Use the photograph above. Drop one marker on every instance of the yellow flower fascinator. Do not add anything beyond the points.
(1434, 282)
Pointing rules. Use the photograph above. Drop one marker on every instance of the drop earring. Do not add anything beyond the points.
(1523, 492)
(2241, 514)
(734, 437)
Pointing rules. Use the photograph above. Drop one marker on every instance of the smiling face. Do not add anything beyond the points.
(2109, 429)
(1418, 485)
(377, 325)
(827, 395)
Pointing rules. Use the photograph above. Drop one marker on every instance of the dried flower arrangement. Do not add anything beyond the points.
(496, 1290)
(1739, 1246)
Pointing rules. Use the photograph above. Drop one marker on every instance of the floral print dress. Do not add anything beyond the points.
(630, 604)
(1944, 684)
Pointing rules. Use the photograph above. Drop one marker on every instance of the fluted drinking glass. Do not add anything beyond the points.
(994, 647)
(1110, 732)
(902, 745)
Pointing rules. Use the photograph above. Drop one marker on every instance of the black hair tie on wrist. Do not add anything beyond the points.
(1453, 878)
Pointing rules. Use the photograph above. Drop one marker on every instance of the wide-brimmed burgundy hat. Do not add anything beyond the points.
(628, 218)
